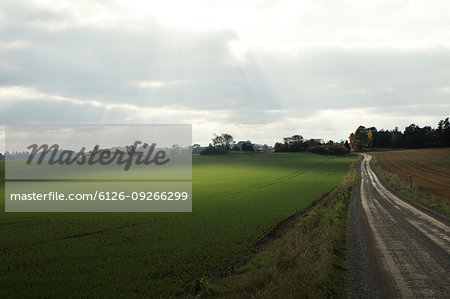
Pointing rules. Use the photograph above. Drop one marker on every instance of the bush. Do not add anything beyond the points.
(329, 149)
(212, 150)
(247, 147)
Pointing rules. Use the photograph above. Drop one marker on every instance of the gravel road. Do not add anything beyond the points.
(397, 248)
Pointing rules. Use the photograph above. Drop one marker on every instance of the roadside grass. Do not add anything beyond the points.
(309, 261)
(426, 198)
(237, 200)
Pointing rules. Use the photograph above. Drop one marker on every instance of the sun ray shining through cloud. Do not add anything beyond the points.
(259, 69)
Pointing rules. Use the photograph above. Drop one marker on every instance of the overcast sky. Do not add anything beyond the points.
(259, 70)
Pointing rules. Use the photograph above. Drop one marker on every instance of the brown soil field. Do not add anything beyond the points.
(430, 168)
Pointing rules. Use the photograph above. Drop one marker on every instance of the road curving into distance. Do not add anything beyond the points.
(397, 247)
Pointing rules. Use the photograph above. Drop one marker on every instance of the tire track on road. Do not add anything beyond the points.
(407, 249)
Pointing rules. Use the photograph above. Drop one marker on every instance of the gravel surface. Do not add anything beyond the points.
(397, 248)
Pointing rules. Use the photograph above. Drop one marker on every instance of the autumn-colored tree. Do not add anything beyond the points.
(370, 137)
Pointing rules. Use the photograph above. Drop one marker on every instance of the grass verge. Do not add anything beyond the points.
(427, 199)
(309, 261)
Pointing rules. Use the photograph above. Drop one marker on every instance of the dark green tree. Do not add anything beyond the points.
(361, 137)
(223, 141)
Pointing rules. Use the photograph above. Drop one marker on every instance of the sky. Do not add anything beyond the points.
(258, 70)
(78, 136)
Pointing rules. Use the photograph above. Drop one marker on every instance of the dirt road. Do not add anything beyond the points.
(397, 248)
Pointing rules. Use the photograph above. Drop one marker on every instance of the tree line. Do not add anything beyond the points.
(297, 143)
(412, 137)
(224, 143)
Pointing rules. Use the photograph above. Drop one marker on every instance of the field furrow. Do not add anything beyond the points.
(430, 168)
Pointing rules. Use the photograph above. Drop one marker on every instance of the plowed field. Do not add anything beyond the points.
(430, 168)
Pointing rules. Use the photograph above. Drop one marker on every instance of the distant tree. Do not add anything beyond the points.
(347, 145)
(294, 143)
(218, 141)
(247, 146)
(228, 140)
(382, 139)
(372, 132)
(412, 137)
(313, 142)
(280, 147)
(330, 148)
(293, 139)
(417, 137)
(426, 134)
(397, 139)
(362, 138)
(212, 150)
(196, 148)
(352, 139)
(223, 140)
(297, 143)
(442, 133)
(370, 138)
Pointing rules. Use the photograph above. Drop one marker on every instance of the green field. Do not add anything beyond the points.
(236, 200)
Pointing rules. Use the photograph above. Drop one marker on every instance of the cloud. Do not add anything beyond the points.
(155, 84)
(261, 69)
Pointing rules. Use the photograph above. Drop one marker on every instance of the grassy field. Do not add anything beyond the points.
(430, 169)
(308, 261)
(236, 200)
